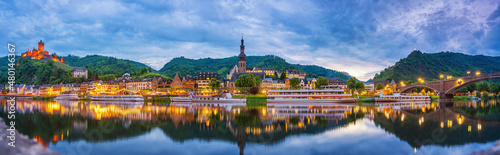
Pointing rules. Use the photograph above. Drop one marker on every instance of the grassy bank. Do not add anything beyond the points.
(256, 100)
(85, 99)
(366, 101)
(43, 97)
(162, 100)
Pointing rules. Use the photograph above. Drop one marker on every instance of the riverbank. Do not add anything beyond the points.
(24, 145)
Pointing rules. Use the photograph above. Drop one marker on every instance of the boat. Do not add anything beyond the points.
(117, 98)
(398, 97)
(67, 97)
(310, 96)
(227, 98)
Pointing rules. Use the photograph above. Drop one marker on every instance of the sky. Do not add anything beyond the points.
(361, 37)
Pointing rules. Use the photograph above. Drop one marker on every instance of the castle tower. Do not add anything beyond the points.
(41, 46)
(242, 62)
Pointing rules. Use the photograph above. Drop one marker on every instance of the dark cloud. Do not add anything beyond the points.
(360, 37)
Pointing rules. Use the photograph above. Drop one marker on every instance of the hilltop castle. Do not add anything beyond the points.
(40, 53)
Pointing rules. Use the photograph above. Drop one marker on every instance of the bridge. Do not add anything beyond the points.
(447, 87)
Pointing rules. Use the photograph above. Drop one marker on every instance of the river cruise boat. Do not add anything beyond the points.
(67, 97)
(226, 98)
(398, 97)
(117, 98)
(310, 96)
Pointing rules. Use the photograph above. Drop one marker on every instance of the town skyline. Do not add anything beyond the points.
(365, 43)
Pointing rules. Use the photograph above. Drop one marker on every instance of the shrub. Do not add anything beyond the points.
(254, 90)
(485, 94)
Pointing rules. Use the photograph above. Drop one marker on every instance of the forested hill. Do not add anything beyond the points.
(185, 66)
(103, 65)
(321, 71)
(430, 65)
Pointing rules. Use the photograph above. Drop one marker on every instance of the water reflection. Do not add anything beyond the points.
(418, 124)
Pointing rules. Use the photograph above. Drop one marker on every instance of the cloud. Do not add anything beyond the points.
(360, 37)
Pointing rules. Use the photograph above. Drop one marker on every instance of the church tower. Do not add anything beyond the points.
(242, 62)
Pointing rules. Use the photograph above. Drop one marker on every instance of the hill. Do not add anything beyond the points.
(185, 66)
(321, 71)
(103, 65)
(430, 65)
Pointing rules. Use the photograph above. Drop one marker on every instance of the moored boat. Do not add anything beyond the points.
(117, 98)
(310, 96)
(67, 97)
(398, 97)
(227, 98)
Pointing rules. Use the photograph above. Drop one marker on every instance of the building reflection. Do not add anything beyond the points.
(54, 121)
(436, 124)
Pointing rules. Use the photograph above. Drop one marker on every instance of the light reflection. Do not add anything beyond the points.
(202, 115)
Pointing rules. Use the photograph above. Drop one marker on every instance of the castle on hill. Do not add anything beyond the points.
(40, 53)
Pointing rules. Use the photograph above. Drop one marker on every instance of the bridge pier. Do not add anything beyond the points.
(446, 99)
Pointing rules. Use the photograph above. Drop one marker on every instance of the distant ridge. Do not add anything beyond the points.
(185, 66)
(430, 65)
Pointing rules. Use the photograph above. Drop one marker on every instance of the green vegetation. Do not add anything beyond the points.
(214, 84)
(245, 80)
(185, 66)
(30, 71)
(379, 86)
(434, 98)
(295, 83)
(107, 77)
(354, 85)
(366, 101)
(43, 97)
(321, 82)
(461, 97)
(85, 99)
(256, 100)
(103, 65)
(158, 100)
(316, 71)
(151, 75)
(430, 65)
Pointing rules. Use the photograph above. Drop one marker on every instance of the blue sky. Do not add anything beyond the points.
(361, 37)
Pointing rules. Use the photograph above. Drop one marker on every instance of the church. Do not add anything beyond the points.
(241, 68)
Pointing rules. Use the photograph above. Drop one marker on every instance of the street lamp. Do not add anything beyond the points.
(449, 77)
(478, 73)
(468, 72)
(441, 76)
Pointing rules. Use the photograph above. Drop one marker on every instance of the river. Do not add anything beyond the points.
(82, 127)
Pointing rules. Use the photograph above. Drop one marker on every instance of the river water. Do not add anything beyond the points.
(81, 127)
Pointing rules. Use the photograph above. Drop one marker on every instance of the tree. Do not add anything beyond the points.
(311, 75)
(471, 87)
(275, 74)
(321, 81)
(379, 86)
(214, 84)
(150, 70)
(409, 82)
(254, 90)
(295, 83)
(483, 86)
(351, 84)
(257, 80)
(245, 80)
(143, 70)
(283, 76)
(360, 87)
(495, 88)
(107, 77)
